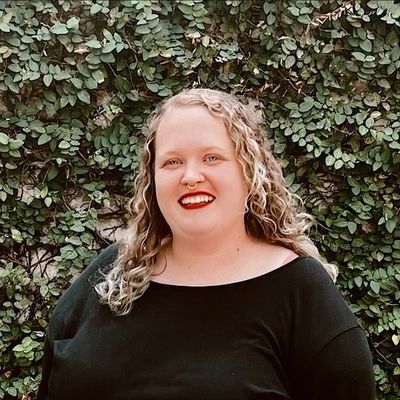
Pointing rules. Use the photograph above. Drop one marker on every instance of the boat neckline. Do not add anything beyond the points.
(233, 283)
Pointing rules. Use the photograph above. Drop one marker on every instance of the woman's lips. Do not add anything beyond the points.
(194, 194)
(195, 200)
(192, 206)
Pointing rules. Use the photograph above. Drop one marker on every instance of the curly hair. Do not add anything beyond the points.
(273, 214)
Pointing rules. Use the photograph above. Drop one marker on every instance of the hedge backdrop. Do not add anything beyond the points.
(78, 79)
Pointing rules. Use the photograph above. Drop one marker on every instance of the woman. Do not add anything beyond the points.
(215, 292)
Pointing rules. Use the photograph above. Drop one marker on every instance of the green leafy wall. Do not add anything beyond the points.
(78, 79)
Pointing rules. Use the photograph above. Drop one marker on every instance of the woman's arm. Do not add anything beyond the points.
(343, 369)
(46, 368)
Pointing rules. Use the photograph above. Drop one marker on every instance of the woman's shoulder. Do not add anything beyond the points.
(99, 265)
(311, 272)
(81, 291)
(276, 258)
(103, 259)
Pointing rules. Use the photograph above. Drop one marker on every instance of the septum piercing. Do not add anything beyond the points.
(191, 187)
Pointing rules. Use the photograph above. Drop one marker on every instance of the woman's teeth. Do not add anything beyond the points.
(197, 199)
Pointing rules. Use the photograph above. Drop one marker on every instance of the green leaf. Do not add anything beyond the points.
(290, 61)
(143, 29)
(44, 68)
(338, 164)
(185, 9)
(63, 101)
(352, 227)
(337, 153)
(107, 58)
(274, 124)
(290, 44)
(44, 290)
(47, 79)
(395, 53)
(93, 59)
(390, 225)
(52, 173)
(294, 11)
(384, 83)
(108, 47)
(77, 82)
(44, 138)
(366, 45)
(375, 286)
(74, 240)
(98, 76)
(14, 67)
(153, 86)
(59, 29)
(64, 145)
(368, 199)
(291, 106)
(90, 83)
(10, 165)
(16, 235)
(84, 96)
(339, 119)
(375, 309)
(14, 41)
(358, 56)
(73, 23)
(327, 48)
(26, 39)
(95, 8)
(307, 105)
(15, 153)
(62, 75)
(329, 160)
(4, 27)
(304, 19)
(369, 123)
(4, 139)
(94, 44)
(358, 281)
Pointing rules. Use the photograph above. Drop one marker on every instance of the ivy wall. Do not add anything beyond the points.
(78, 79)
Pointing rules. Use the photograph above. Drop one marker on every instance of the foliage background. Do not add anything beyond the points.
(77, 81)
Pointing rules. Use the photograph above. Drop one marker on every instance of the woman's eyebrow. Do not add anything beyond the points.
(202, 149)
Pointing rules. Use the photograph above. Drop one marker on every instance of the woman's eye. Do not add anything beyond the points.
(212, 158)
(171, 162)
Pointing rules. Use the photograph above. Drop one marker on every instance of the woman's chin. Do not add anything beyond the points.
(194, 231)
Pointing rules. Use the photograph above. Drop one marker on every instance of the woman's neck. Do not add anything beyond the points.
(187, 260)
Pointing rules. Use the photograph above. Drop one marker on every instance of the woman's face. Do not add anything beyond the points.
(193, 147)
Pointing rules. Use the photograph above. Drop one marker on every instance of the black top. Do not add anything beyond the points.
(287, 334)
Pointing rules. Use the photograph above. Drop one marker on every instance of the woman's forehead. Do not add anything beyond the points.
(191, 123)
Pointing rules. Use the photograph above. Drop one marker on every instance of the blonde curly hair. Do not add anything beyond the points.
(272, 212)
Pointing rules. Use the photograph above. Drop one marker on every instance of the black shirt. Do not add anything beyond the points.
(287, 334)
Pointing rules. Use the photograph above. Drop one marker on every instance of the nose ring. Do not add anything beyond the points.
(191, 187)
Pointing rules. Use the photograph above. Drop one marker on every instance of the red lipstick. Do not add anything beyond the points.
(190, 194)
(191, 206)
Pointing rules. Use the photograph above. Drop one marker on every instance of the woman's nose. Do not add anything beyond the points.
(192, 174)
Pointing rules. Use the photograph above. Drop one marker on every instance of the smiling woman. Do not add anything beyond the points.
(218, 175)
(216, 291)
